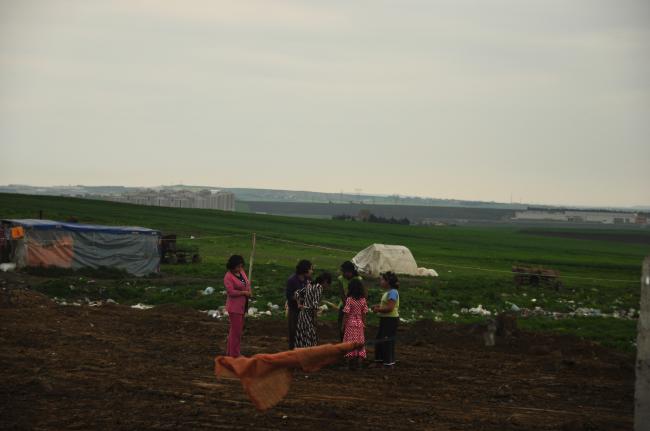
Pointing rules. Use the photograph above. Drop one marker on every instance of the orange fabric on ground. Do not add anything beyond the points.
(266, 376)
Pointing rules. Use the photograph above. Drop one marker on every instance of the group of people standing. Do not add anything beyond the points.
(303, 295)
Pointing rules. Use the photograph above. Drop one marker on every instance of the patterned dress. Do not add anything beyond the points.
(309, 297)
(354, 330)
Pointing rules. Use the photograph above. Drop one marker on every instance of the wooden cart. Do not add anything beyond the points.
(536, 276)
(171, 253)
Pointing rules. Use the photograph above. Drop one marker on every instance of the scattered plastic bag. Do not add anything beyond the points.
(214, 314)
(5, 267)
(426, 272)
(585, 312)
(479, 311)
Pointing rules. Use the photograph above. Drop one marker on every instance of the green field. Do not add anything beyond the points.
(473, 263)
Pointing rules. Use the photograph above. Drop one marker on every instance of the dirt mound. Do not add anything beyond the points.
(114, 367)
(172, 309)
(23, 298)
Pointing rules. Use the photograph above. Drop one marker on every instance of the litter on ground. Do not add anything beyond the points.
(478, 310)
(140, 306)
(4, 267)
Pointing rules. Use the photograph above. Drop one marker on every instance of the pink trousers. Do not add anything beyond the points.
(234, 335)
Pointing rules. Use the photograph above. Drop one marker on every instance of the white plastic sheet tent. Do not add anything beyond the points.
(378, 258)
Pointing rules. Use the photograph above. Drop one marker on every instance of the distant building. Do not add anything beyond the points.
(431, 222)
(205, 199)
(363, 215)
(581, 216)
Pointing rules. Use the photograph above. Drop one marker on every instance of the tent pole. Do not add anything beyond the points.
(250, 263)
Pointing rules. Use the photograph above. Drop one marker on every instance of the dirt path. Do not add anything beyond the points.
(113, 367)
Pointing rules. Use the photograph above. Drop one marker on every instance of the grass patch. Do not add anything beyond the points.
(473, 262)
(614, 333)
(103, 272)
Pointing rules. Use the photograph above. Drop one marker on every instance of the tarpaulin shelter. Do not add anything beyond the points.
(72, 245)
(378, 258)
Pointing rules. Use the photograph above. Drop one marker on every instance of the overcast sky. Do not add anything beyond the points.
(547, 101)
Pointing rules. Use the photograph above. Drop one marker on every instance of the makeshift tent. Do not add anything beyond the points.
(73, 245)
(380, 258)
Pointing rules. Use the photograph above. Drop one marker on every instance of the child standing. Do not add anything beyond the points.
(354, 322)
(308, 301)
(388, 312)
(348, 272)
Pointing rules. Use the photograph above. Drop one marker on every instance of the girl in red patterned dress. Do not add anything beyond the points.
(354, 322)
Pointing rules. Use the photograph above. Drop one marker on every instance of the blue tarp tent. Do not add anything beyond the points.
(73, 245)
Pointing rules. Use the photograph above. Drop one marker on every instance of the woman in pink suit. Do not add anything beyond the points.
(238, 289)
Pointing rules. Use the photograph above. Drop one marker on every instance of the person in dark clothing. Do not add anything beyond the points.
(388, 312)
(302, 277)
(4, 244)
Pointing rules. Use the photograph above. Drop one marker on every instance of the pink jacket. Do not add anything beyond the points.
(236, 302)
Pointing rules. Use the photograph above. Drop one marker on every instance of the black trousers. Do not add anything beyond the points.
(293, 325)
(340, 322)
(385, 350)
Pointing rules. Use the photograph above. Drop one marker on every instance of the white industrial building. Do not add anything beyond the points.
(581, 216)
(205, 199)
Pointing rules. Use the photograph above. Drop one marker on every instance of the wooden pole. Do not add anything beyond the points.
(250, 263)
(642, 395)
